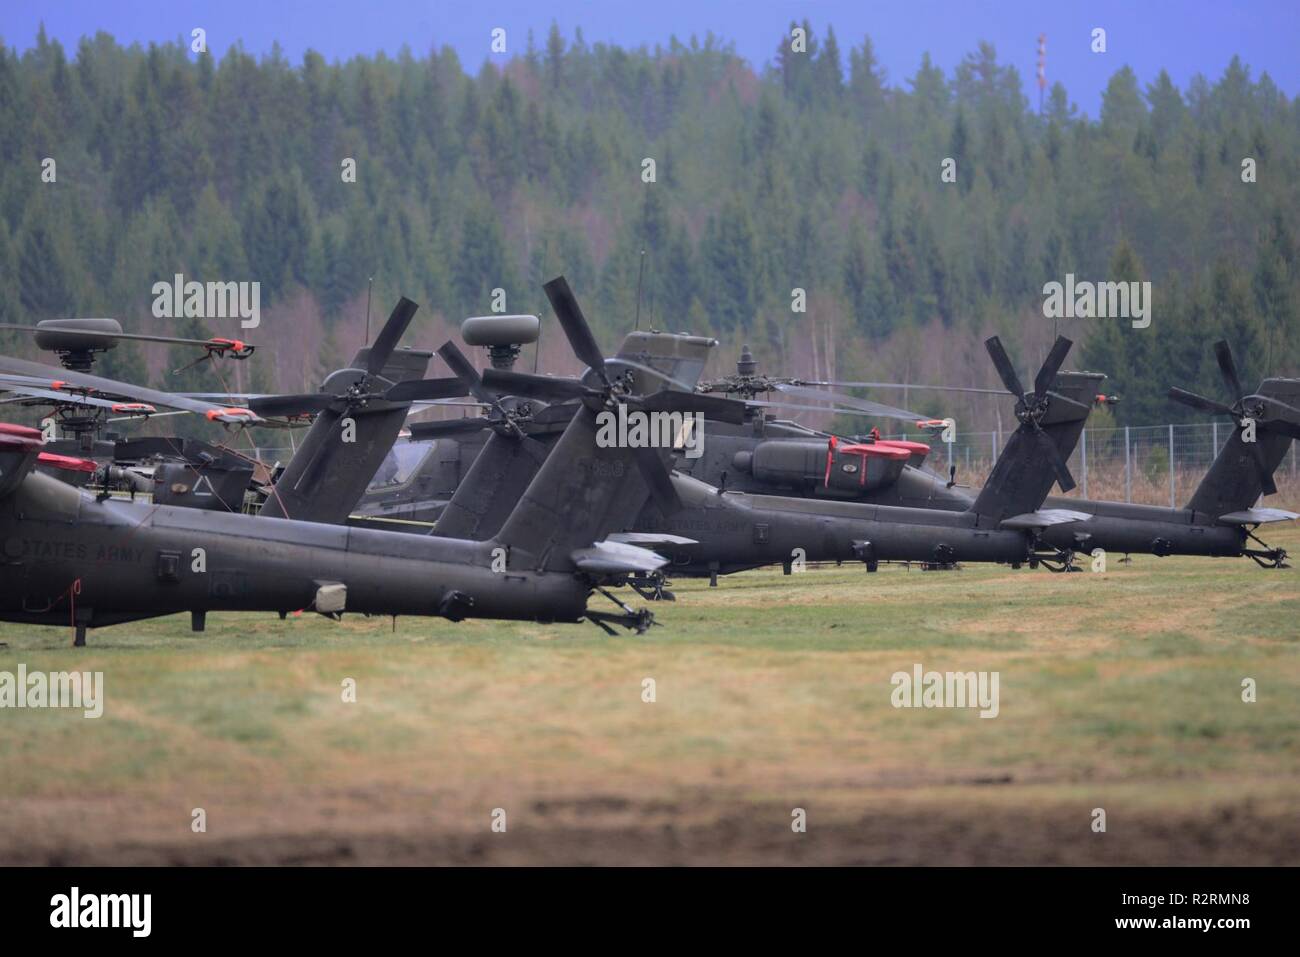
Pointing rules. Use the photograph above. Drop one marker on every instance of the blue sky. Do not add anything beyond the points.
(1184, 37)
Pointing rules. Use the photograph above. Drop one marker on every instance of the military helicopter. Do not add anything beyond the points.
(1223, 514)
(357, 414)
(166, 468)
(766, 456)
(194, 473)
(92, 561)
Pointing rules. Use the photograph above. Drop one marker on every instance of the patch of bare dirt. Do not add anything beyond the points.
(613, 829)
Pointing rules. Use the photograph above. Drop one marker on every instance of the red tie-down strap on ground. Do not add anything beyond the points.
(73, 591)
(71, 594)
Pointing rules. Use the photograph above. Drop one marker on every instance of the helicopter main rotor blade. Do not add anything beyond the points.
(527, 385)
(382, 349)
(418, 407)
(835, 410)
(1002, 362)
(1198, 401)
(464, 370)
(575, 325)
(417, 390)
(903, 385)
(64, 332)
(26, 394)
(160, 415)
(243, 396)
(30, 380)
(84, 380)
(436, 430)
(862, 405)
(712, 407)
(305, 403)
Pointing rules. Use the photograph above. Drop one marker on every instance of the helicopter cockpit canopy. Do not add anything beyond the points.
(401, 463)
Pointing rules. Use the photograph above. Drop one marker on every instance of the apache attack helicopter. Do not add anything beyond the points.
(93, 561)
(769, 456)
(176, 471)
(1223, 512)
(420, 476)
(88, 455)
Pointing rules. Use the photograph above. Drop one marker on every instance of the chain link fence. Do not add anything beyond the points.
(1146, 464)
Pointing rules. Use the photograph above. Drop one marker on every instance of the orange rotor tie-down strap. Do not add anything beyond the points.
(213, 414)
(238, 348)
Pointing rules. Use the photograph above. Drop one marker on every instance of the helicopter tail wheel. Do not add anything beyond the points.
(1266, 557)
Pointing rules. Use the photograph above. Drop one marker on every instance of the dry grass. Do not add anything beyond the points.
(1119, 690)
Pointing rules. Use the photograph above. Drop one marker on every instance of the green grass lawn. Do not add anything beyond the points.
(1119, 689)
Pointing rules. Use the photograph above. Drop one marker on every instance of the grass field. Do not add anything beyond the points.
(1119, 691)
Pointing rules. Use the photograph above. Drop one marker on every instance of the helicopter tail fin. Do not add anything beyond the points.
(497, 480)
(20, 447)
(581, 493)
(1034, 457)
(330, 470)
(1236, 479)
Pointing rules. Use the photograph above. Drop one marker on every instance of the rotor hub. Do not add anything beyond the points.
(1031, 409)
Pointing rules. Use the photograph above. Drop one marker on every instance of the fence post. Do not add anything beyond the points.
(1083, 457)
(1172, 498)
(1128, 475)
